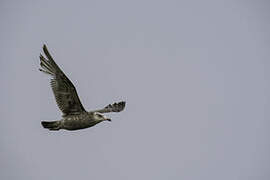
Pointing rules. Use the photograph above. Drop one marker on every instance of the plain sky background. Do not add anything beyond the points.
(195, 75)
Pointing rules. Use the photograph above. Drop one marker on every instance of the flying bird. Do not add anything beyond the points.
(74, 116)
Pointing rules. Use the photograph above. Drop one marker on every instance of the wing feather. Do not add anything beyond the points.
(64, 91)
(115, 107)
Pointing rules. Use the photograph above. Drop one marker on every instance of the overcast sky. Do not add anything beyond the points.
(195, 76)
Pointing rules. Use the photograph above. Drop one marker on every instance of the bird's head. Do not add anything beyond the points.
(100, 117)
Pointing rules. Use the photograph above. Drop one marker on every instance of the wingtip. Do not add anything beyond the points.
(121, 105)
(123, 102)
(44, 47)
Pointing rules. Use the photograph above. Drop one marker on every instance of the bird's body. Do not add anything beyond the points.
(74, 117)
(81, 121)
(74, 122)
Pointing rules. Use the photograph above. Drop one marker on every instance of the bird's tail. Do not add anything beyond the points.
(52, 125)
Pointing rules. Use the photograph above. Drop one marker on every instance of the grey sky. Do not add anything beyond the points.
(195, 75)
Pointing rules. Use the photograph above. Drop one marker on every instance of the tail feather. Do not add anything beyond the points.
(52, 125)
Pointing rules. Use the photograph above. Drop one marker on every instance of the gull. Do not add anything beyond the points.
(74, 115)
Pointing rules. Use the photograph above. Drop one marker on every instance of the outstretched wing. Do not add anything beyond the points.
(115, 107)
(64, 91)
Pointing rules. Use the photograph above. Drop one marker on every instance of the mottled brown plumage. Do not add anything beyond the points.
(74, 115)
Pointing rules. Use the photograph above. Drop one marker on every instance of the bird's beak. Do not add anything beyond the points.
(108, 119)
